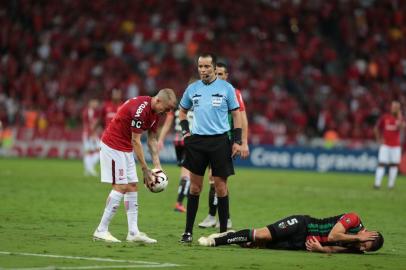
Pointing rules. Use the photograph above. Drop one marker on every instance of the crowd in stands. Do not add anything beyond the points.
(305, 67)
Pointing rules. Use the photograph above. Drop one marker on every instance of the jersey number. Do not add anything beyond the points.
(292, 221)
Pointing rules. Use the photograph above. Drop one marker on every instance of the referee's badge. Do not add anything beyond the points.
(216, 100)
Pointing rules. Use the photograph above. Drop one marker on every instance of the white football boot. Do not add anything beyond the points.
(140, 237)
(208, 222)
(229, 224)
(104, 236)
(216, 235)
(206, 241)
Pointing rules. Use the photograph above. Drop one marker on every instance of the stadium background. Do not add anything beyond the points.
(315, 75)
(307, 69)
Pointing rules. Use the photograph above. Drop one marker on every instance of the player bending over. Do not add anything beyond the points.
(120, 140)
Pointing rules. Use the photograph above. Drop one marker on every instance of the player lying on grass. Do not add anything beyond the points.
(342, 233)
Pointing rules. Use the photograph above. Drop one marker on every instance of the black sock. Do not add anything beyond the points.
(223, 212)
(240, 237)
(212, 206)
(191, 210)
(228, 212)
(182, 192)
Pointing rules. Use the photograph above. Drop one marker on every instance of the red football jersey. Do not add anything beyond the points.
(109, 111)
(90, 118)
(240, 100)
(390, 130)
(135, 115)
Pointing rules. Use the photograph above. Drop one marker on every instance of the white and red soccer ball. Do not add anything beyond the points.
(159, 181)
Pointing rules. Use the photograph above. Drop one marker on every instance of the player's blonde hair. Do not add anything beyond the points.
(168, 96)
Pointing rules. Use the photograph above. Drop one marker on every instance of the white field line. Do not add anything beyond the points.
(144, 264)
(93, 267)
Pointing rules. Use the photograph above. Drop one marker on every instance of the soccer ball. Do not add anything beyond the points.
(160, 181)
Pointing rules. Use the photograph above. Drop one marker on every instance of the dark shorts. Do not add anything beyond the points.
(215, 151)
(289, 233)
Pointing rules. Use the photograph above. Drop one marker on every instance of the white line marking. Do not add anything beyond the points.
(92, 267)
(145, 264)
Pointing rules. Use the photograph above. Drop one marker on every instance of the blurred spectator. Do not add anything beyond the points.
(305, 66)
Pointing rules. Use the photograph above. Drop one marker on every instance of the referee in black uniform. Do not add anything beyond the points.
(211, 100)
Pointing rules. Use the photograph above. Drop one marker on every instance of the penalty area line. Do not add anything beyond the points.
(135, 264)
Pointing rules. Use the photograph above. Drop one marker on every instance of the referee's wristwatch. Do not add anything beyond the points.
(238, 142)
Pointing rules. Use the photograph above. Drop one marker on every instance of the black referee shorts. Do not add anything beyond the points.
(289, 233)
(204, 150)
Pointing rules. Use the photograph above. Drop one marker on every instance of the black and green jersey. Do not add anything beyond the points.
(292, 232)
(320, 228)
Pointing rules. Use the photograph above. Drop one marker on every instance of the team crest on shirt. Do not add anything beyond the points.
(282, 225)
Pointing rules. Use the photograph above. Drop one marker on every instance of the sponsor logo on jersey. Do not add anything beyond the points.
(195, 100)
(237, 238)
(141, 108)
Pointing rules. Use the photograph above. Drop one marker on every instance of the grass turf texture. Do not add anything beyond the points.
(49, 207)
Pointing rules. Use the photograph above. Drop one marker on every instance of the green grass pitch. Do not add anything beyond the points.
(49, 208)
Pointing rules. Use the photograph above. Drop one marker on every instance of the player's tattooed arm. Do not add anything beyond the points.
(165, 130)
(313, 245)
(245, 151)
(139, 153)
(338, 233)
(153, 148)
(137, 148)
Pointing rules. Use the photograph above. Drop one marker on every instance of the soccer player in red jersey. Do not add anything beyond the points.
(120, 140)
(387, 132)
(110, 107)
(210, 220)
(342, 233)
(90, 136)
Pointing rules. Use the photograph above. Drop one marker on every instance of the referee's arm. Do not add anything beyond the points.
(184, 122)
(182, 113)
(236, 148)
(237, 118)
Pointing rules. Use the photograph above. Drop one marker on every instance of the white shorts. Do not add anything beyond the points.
(389, 154)
(117, 167)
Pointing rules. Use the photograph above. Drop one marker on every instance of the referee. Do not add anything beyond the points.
(211, 99)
